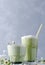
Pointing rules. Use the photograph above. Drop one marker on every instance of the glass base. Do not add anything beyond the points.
(16, 63)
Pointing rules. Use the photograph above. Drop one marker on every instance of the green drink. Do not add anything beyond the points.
(31, 44)
(16, 53)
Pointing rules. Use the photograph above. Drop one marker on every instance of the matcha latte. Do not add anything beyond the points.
(31, 44)
(16, 52)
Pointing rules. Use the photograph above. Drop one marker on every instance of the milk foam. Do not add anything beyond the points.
(29, 36)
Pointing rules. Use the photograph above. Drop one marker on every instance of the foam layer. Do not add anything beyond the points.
(29, 36)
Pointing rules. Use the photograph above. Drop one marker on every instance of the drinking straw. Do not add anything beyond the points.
(37, 34)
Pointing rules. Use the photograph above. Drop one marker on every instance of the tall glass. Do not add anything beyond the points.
(31, 44)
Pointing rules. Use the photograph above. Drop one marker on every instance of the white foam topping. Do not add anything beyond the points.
(29, 36)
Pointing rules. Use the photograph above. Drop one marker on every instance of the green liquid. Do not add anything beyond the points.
(31, 45)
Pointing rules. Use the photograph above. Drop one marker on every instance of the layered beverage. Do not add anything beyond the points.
(31, 44)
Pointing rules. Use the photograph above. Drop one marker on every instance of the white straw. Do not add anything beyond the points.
(37, 34)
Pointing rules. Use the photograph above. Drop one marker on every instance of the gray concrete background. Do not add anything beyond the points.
(21, 17)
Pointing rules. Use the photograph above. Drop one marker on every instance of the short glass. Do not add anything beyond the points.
(16, 53)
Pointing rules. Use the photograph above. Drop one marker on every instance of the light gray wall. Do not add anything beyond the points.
(21, 17)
